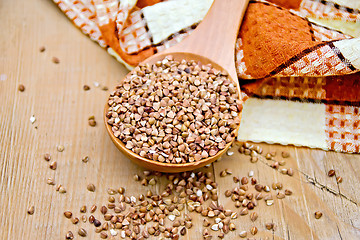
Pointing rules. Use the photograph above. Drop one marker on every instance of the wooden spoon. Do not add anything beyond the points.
(212, 42)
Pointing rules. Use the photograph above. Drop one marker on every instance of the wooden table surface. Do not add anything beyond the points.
(54, 95)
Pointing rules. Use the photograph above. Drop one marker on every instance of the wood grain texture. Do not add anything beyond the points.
(54, 95)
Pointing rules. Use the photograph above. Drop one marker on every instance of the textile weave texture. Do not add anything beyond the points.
(298, 61)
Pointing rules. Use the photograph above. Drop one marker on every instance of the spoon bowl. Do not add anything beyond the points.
(219, 28)
(162, 166)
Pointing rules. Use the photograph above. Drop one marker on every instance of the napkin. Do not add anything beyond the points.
(297, 61)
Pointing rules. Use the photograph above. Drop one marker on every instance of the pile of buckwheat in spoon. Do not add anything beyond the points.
(175, 112)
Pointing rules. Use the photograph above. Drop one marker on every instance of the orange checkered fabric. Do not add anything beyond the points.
(283, 50)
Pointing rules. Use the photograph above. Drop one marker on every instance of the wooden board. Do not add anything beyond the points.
(54, 95)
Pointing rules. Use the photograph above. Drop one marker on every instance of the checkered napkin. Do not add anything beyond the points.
(298, 61)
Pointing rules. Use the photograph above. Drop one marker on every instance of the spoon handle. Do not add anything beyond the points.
(215, 37)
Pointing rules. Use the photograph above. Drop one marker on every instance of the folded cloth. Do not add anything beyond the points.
(298, 60)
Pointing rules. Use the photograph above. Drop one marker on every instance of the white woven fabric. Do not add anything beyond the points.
(350, 49)
(283, 122)
(162, 21)
(355, 4)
